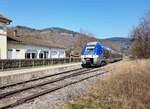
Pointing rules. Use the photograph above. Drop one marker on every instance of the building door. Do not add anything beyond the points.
(31, 54)
(10, 54)
(41, 55)
(18, 54)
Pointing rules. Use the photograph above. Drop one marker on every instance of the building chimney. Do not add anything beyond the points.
(15, 33)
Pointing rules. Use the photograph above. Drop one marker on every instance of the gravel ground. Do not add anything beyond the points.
(54, 99)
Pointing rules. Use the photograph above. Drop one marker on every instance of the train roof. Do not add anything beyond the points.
(91, 43)
(103, 46)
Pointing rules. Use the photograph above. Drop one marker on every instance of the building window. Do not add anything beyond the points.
(54, 53)
(45, 54)
(10, 49)
(27, 55)
(17, 50)
(30, 55)
(33, 55)
(41, 55)
(1, 27)
(61, 53)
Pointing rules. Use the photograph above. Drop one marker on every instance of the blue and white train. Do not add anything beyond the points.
(96, 54)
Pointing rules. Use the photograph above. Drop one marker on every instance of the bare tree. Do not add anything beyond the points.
(82, 38)
(141, 38)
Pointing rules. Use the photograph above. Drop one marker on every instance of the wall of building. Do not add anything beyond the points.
(19, 51)
(3, 41)
(16, 51)
(3, 47)
(57, 53)
(52, 52)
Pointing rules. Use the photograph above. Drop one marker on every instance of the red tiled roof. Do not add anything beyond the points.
(5, 19)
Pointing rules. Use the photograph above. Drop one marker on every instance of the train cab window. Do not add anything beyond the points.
(91, 46)
(89, 51)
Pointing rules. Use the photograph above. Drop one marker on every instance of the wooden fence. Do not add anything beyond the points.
(23, 63)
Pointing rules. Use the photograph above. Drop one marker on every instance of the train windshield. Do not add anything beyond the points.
(89, 51)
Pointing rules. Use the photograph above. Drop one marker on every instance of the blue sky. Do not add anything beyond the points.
(103, 18)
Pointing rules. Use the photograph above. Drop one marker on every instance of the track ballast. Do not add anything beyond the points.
(59, 80)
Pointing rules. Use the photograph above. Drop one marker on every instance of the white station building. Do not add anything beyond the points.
(12, 47)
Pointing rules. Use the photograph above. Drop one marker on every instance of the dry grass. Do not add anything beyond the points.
(127, 88)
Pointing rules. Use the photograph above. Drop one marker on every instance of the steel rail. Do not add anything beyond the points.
(5, 94)
(30, 97)
(35, 79)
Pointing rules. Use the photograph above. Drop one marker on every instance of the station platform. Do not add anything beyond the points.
(15, 76)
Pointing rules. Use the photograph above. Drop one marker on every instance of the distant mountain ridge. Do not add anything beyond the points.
(52, 29)
(124, 43)
(118, 39)
(59, 36)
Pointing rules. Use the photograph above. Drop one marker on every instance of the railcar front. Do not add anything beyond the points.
(91, 54)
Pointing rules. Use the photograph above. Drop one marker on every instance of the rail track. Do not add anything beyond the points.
(77, 72)
(35, 79)
(16, 92)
